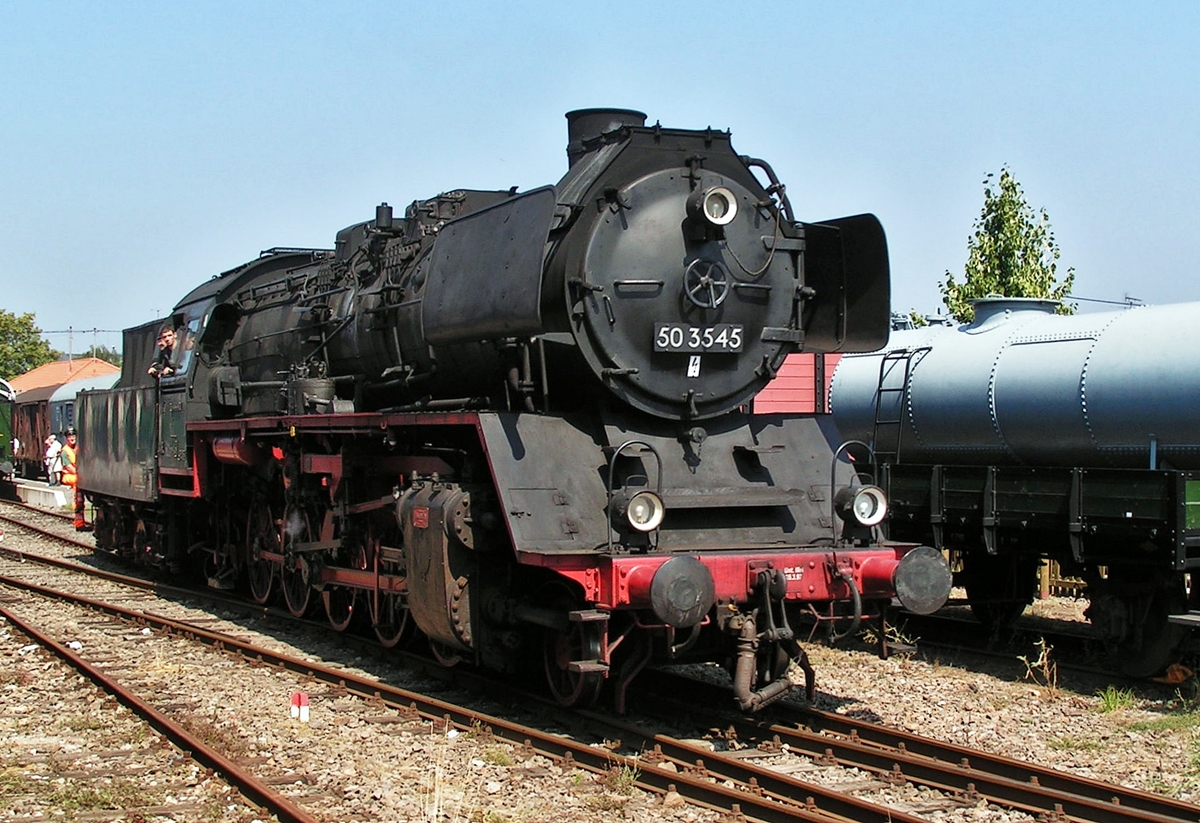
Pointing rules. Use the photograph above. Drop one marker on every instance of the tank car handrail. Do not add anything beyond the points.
(612, 463)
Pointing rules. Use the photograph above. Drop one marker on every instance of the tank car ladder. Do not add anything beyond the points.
(895, 368)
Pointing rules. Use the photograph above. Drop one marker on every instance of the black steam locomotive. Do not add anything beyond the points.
(515, 423)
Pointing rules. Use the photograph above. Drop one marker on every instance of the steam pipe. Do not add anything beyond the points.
(747, 700)
(856, 599)
(449, 403)
(776, 188)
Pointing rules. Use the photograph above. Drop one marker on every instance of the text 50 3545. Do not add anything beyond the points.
(681, 337)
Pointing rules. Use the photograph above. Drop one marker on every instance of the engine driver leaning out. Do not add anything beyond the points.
(161, 367)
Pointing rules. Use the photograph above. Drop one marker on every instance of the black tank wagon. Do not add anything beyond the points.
(515, 423)
(1028, 435)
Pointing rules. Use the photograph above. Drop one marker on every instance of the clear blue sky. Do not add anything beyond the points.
(147, 146)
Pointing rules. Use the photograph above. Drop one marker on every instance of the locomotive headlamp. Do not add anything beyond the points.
(643, 510)
(863, 505)
(717, 205)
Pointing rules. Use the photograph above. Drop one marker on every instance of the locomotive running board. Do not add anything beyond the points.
(730, 498)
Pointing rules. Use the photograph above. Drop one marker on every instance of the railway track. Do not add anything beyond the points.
(695, 785)
(410, 707)
(1073, 643)
(73, 751)
(897, 756)
(753, 768)
(186, 742)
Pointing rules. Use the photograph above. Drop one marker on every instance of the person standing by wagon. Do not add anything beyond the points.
(53, 460)
(70, 475)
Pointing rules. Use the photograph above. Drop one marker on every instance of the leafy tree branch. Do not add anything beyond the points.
(1012, 253)
(22, 346)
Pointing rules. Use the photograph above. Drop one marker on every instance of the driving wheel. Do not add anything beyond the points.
(262, 535)
(444, 654)
(340, 603)
(296, 571)
(391, 619)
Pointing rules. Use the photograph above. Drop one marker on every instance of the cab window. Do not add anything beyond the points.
(185, 344)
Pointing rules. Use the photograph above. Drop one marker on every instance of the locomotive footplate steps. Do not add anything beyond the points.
(588, 666)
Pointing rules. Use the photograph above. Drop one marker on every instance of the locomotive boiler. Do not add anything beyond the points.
(514, 423)
(1026, 435)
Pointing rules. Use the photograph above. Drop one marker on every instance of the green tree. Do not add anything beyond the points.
(22, 346)
(104, 353)
(1012, 253)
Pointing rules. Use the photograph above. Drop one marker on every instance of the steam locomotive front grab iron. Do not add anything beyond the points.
(514, 423)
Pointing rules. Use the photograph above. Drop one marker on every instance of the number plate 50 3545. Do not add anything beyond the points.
(723, 337)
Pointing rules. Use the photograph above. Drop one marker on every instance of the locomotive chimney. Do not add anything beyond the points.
(383, 216)
(588, 124)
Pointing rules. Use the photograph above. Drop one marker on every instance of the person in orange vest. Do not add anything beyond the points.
(70, 475)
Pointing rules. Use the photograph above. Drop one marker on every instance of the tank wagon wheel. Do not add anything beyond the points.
(261, 535)
(1153, 643)
(999, 587)
(578, 641)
